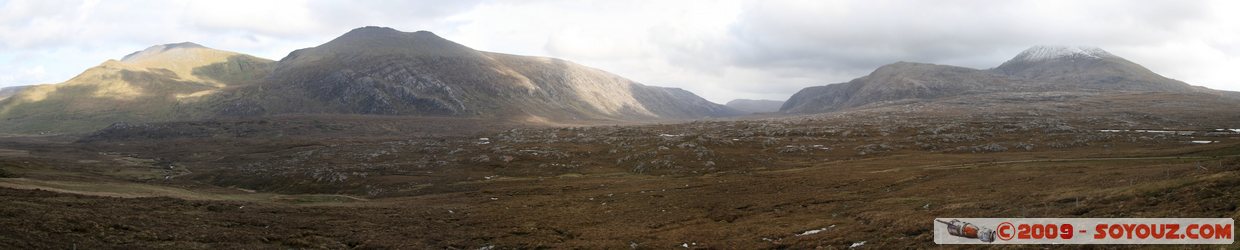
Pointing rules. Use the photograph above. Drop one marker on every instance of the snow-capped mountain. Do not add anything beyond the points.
(1043, 53)
(1073, 68)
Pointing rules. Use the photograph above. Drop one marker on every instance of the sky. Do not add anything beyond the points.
(721, 50)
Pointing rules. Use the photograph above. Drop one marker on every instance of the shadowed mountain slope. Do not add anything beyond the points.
(375, 70)
(367, 71)
(6, 92)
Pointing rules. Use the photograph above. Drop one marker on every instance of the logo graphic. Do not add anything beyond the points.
(1084, 230)
(967, 230)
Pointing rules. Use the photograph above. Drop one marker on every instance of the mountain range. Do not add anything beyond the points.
(369, 70)
(383, 71)
(1037, 69)
(374, 70)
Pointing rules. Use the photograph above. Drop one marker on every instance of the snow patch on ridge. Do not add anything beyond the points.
(1042, 53)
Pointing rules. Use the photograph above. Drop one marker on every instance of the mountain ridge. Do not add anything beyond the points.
(6, 92)
(1037, 69)
(1086, 68)
(376, 70)
(159, 83)
(368, 70)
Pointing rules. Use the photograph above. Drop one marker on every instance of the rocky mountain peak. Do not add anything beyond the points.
(379, 33)
(1081, 68)
(372, 29)
(1041, 62)
(1046, 53)
(384, 40)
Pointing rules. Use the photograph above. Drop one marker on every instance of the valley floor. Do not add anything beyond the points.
(600, 187)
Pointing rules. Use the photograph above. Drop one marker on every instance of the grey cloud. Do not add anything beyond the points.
(859, 37)
(799, 44)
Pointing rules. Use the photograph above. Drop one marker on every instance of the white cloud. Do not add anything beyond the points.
(264, 17)
(21, 74)
(661, 43)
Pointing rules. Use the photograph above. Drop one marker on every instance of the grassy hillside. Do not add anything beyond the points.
(163, 83)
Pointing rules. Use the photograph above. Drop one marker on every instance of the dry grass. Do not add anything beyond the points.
(580, 187)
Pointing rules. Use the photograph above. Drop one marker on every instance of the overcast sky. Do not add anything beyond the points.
(721, 50)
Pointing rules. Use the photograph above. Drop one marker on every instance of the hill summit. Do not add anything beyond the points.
(1044, 53)
(160, 83)
(376, 70)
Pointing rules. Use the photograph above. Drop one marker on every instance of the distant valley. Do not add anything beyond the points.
(755, 106)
